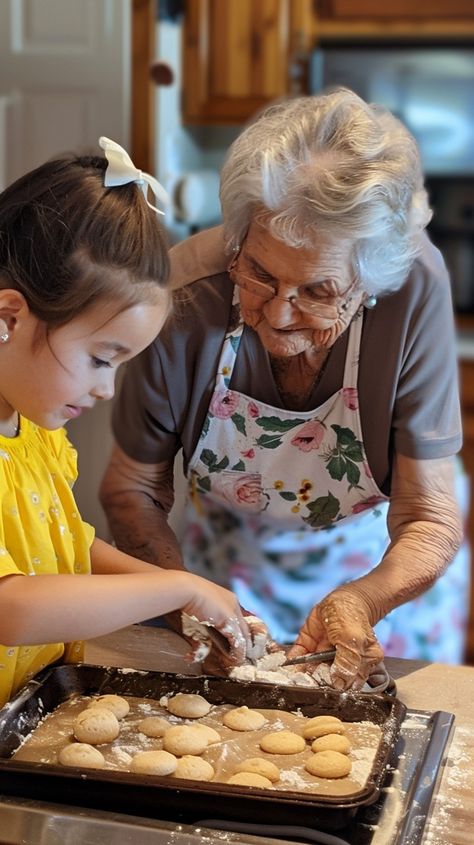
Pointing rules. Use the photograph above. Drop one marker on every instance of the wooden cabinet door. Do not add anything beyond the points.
(467, 403)
(235, 58)
(393, 9)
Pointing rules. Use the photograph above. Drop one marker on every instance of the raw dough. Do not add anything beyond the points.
(260, 766)
(243, 719)
(81, 754)
(250, 779)
(332, 742)
(328, 764)
(96, 725)
(194, 768)
(282, 742)
(118, 705)
(210, 734)
(153, 763)
(184, 739)
(153, 726)
(188, 705)
(321, 725)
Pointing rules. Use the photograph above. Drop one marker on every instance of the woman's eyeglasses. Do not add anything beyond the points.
(311, 302)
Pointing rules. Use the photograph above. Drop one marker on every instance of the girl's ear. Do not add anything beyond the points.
(13, 310)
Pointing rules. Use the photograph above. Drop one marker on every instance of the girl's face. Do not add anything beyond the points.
(55, 379)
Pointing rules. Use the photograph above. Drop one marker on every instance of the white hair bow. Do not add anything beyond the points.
(121, 170)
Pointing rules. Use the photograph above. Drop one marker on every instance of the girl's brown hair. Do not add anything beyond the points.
(67, 242)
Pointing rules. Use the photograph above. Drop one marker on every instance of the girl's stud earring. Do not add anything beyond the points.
(4, 333)
(371, 301)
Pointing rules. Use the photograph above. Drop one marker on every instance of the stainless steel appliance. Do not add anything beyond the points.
(430, 87)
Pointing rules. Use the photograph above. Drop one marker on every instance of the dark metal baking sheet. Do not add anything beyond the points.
(186, 800)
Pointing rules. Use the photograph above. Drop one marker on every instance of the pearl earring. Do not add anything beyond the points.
(371, 301)
(4, 333)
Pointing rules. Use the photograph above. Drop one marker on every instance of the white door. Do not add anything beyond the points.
(65, 78)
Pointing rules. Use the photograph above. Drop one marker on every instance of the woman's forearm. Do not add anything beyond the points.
(137, 501)
(425, 528)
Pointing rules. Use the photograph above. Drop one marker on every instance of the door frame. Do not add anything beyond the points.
(142, 128)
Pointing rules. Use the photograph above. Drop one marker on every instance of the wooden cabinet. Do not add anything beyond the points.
(239, 55)
(466, 372)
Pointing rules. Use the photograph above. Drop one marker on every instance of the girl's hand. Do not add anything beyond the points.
(342, 621)
(220, 608)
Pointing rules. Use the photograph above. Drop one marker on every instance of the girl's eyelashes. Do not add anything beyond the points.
(98, 362)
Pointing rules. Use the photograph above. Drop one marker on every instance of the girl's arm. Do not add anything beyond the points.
(426, 531)
(62, 608)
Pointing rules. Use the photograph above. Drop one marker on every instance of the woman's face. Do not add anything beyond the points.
(321, 277)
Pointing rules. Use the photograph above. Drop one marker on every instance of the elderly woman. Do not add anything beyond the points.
(310, 380)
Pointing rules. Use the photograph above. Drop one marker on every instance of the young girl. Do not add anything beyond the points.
(82, 289)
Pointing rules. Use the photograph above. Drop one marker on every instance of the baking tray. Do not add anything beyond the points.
(186, 800)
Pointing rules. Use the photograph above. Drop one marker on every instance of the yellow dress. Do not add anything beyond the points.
(41, 533)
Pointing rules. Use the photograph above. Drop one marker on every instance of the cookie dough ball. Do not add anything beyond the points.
(282, 742)
(188, 705)
(153, 763)
(332, 742)
(243, 719)
(250, 779)
(321, 725)
(194, 768)
(154, 726)
(96, 725)
(118, 705)
(184, 739)
(328, 764)
(81, 754)
(211, 735)
(260, 766)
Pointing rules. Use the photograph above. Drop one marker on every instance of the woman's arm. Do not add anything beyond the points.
(425, 531)
(137, 499)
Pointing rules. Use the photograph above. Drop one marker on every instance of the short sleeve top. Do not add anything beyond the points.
(408, 381)
(41, 533)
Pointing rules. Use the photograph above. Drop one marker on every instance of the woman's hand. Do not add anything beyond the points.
(341, 620)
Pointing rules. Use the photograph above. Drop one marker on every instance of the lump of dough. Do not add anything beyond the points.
(153, 726)
(250, 779)
(81, 754)
(331, 742)
(210, 734)
(260, 766)
(282, 742)
(188, 705)
(184, 739)
(321, 725)
(194, 768)
(116, 703)
(328, 764)
(243, 719)
(96, 725)
(153, 763)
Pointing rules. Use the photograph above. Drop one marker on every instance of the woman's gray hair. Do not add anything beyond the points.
(336, 164)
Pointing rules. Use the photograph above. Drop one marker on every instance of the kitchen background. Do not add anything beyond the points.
(175, 81)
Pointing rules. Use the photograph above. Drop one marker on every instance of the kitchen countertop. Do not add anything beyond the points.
(420, 686)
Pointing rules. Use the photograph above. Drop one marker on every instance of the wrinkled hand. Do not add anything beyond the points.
(341, 620)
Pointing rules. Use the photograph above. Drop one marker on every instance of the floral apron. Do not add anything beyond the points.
(283, 509)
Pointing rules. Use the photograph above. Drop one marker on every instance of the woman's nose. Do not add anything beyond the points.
(280, 312)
